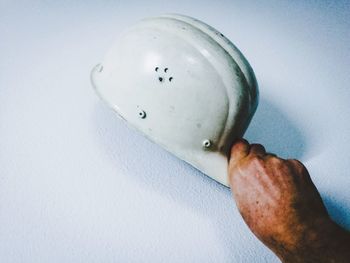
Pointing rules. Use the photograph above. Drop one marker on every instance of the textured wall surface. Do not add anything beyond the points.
(76, 185)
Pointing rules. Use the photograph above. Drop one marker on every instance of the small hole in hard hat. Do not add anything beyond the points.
(165, 70)
(156, 69)
(171, 78)
(160, 79)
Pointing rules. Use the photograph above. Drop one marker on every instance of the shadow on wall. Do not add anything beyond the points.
(272, 128)
(151, 166)
(337, 210)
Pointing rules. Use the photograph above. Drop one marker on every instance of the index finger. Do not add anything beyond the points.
(239, 150)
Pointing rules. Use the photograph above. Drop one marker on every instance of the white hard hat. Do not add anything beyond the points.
(184, 85)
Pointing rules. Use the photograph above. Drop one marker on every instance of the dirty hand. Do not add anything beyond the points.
(283, 208)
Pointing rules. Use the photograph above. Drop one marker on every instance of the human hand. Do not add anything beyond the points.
(282, 206)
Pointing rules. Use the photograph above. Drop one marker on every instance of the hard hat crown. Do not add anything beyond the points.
(183, 85)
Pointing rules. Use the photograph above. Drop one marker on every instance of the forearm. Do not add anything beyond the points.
(328, 243)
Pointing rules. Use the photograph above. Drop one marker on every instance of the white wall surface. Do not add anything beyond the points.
(76, 185)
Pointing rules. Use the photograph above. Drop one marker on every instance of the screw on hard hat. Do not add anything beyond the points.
(142, 114)
(206, 143)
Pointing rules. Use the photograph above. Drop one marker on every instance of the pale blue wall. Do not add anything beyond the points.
(76, 185)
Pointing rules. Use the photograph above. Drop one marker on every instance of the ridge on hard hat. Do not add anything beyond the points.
(184, 85)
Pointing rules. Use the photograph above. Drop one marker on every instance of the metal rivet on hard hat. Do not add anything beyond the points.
(142, 114)
(206, 143)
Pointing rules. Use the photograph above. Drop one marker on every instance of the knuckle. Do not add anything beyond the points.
(297, 164)
(257, 161)
(255, 147)
(240, 141)
(238, 145)
(276, 160)
(299, 169)
(294, 161)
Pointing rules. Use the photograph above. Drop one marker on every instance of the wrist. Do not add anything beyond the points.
(321, 241)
